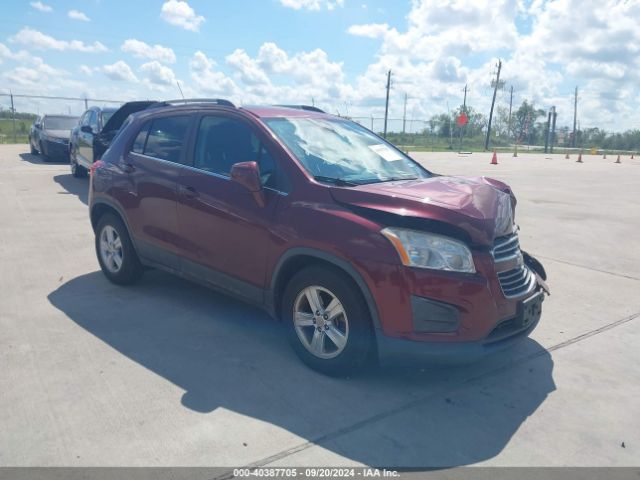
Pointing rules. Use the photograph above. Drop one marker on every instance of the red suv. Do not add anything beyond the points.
(359, 250)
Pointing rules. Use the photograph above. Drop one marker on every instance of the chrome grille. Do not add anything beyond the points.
(506, 248)
(517, 281)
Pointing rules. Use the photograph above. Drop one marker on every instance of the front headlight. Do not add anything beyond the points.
(427, 250)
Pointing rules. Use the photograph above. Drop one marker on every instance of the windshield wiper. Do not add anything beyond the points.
(341, 182)
(391, 179)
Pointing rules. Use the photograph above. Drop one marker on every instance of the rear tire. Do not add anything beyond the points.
(33, 151)
(337, 338)
(117, 256)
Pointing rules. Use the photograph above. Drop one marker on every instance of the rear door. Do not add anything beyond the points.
(224, 233)
(153, 166)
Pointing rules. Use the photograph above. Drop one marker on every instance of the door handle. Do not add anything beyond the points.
(129, 168)
(188, 192)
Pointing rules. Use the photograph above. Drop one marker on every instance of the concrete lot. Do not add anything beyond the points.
(169, 373)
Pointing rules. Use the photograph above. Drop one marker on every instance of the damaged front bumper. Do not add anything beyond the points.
(395, 351)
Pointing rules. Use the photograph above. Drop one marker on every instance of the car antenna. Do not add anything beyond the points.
(181, 94)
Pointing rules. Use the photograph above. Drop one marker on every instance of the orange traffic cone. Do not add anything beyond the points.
(579, 157)
(618, 160)
(494, 159)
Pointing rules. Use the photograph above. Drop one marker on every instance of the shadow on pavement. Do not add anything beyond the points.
(38, 160)
(224, 353)
(75, 186)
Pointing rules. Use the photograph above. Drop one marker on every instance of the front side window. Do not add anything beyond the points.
(165, 138)
(221, 142)
(336, 149)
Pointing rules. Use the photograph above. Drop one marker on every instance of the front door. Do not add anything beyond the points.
(85, 139)
(225, 233)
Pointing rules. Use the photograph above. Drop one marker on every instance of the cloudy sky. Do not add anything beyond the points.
(332, 52)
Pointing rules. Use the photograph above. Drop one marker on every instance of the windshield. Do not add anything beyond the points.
(60, 123)
(341, 150)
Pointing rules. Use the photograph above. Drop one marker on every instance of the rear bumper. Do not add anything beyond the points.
(394, 351)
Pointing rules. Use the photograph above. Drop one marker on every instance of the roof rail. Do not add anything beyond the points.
(310, 108)
(215, 101)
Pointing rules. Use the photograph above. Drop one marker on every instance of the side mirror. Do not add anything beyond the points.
(247, 174)
(86, 129)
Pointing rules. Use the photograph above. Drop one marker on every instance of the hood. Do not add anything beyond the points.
(64, 134)
(482, 207)
(120, 115)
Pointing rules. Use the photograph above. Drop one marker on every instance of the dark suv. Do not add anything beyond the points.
(94, 132)
(49, 135)
(358, 249)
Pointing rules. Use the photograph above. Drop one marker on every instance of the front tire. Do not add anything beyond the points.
(327, 321)
(117, 257)
(77, 170)
(45, 157)
(32, 150)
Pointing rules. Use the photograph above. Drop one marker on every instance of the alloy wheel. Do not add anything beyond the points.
(111, 249)
(321, 322)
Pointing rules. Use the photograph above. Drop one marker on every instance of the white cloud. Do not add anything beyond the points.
(208, 80)
(78, 15)
(371, 30)
(157, 74)
(20, 56)
(312, 4)
(32, 75)
(143, 50)
(86, 70)
(43, 7)
(40, 41)
(119, 71)
(180, 13)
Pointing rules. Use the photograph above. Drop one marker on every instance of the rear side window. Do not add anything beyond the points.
(141, 139)
(163, 138)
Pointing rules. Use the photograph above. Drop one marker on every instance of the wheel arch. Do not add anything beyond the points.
(102, 207)
(300, 257)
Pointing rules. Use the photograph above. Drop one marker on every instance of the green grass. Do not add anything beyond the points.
(6, 130)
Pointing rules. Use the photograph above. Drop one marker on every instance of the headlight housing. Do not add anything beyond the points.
(428, 250)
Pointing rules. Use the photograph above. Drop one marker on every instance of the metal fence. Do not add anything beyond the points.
(14, 126)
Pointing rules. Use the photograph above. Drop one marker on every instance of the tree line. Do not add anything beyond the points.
(527, 125)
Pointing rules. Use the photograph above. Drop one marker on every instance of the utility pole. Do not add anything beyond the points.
(510, 105)
(86, 104)
(464, 110)
(553, 129)
(13, 117)
(386, 105)
(546, 131)
(495, 91)
(575, 117)
(404, 115)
